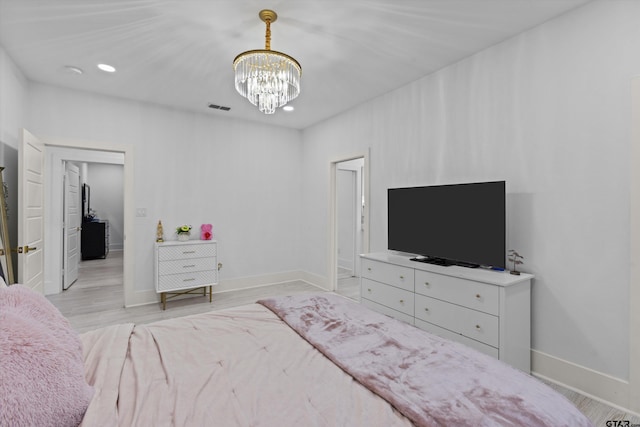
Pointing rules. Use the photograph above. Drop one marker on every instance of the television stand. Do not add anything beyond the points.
(485, 309)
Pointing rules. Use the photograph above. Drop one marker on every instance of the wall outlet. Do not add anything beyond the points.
(141, 212)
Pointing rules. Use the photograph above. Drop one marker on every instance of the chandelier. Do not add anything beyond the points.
(268, 79)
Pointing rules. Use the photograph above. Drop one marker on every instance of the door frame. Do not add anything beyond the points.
(634, 282)
(67, 226)
(57, 150)
(332, 257)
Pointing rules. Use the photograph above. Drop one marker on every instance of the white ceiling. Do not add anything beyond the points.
(179, 52)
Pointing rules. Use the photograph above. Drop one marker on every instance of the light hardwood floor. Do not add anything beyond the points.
(96, 300)
(348, 285)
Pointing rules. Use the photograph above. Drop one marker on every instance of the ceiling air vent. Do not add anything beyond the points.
(219, 107)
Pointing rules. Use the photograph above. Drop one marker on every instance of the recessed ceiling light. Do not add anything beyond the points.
(288, 108)
(107, 68)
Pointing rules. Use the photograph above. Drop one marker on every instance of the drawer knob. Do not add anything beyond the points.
(478, 327)
(427, 284)
(401, 301)
(369, 268)
(426, 309)
(402, 277)
(369, 289)
(478, 296)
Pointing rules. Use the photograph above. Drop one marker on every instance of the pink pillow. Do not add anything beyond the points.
(41, 367)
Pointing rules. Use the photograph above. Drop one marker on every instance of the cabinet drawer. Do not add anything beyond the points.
(476, 295)
(174, 282)
(390, 296)
(186, 265)
(444, 333)
(470, 323)
(395, 275)
(386, 310)
(172, 252)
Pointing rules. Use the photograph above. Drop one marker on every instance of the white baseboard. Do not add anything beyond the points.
(347, 264)
(138, 298)
(269, 279)
(314, 279)
(593, 384)
(151, 297)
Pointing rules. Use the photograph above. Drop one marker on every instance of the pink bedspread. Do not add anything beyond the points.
(237, 367)
(432, 381)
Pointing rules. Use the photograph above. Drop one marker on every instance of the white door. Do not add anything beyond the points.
(71, 226)
(31, 212)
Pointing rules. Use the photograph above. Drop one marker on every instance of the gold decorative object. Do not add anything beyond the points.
(159, 233)
(267, 78)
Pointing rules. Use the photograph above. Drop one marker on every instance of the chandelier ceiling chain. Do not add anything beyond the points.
(267, 36)
(267, 78)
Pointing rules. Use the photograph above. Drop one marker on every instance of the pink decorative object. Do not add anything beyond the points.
(206, 231)
(42, 374)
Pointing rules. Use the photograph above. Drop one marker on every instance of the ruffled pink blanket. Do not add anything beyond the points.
(430, 380)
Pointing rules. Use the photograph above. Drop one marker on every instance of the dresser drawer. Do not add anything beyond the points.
(173, 282)
(186, 265)
(470, 323)
(476, 295)
(386, 310)
(390, 296)
(444, 333)
(182, 251)
(395, 275)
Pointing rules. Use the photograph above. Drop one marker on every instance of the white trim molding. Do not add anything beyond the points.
(332, 256)
(593, 384)
(634, 247)
(131, 297)
(239, 283)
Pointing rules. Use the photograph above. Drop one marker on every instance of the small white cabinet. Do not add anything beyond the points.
(185, 267)
(484, 309)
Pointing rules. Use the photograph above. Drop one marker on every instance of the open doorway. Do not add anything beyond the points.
(349, 218)
(99, 272)
(349, 225)
(103, 172)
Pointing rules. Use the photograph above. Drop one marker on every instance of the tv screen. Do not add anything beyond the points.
(460, 224)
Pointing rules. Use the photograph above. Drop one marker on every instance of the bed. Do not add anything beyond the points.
(305, 360)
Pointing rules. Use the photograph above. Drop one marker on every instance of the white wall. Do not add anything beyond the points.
(107, 198)
(549, 111)
(13, 100)
(241, 177)
(13, 116)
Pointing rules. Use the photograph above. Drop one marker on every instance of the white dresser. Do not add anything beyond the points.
(185, 267)
(485, 309)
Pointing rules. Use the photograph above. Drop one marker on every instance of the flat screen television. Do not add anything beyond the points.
(459, 224)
